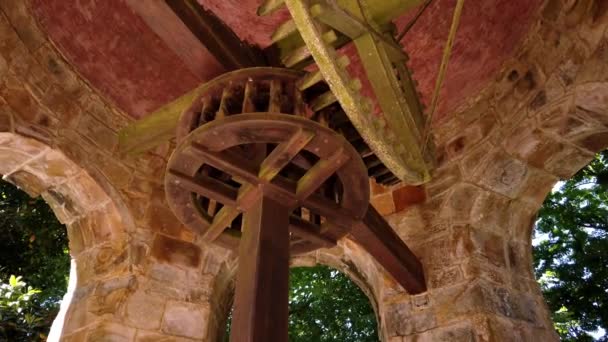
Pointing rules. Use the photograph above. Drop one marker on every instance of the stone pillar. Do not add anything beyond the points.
(540, 121)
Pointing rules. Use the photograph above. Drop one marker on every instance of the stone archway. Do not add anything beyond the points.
(347, 257)
(97, 233)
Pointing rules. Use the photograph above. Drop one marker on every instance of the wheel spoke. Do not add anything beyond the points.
(319, 173)
(284, 153)
(207, 187)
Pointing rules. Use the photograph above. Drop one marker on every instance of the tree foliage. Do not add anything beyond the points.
(22, 318)
(325, 305)
(33, 244)
(571, 252)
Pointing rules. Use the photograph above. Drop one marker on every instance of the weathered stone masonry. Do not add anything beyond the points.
(143, 277)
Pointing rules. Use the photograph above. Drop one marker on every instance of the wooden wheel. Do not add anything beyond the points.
(232, 155)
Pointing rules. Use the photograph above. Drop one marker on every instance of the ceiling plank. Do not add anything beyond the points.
(161, 19)
(216, 36)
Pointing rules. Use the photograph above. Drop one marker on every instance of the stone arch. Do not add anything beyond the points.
(347, 257)
(96, 230)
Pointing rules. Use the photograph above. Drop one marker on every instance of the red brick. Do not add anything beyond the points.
(407, 196)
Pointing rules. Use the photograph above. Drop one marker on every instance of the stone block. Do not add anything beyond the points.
(10, 159)
(20, 100)
(110, 294)
(98, 133)
(24, 24)
(574, 125)
(503, 174)
(43, 128)
(153, 336)
(176, 251)
(568, 161)
(145, 311)
(443, 276)
(421, 321)
(95, 106)
(111, 258)
(78, 336)
(478, 268)
(377, 189)
(116, 172)
(10, 39)
(186, 320)
(470, 241)
(77, 316)
(76, 240)
(162, 219)
(459, 203)
(521, 220)
(100, 225)
(85, 191)
(443, 179)
(63, 206)
(99, 261)
(595, 69)
(490, 212)
(53, 167)
(438, 253)
(62, 75)
(593, 97)
(383, 203)
(111, 332)
(28, 182)
(463, 332)
(533, 146)
(62, 107)
(537, 186)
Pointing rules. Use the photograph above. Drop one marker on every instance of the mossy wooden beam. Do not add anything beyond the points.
(156, 128)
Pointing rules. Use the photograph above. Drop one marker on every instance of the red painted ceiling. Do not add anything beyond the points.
(120, 55)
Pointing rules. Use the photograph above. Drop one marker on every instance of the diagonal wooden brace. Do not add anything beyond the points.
(377, 237)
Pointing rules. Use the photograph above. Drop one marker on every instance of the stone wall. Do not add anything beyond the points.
(141, 276)
(542, 120)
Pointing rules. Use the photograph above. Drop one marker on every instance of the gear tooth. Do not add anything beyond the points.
(366, 104)
(270, 6)
(284, 30)
(355, 84)
(343, 61)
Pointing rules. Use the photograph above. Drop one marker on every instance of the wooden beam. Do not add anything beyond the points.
(261, 308)
(208, 187)
(216, 36)
(156, 128)
(309, 232)
(206, 45)
(377, 237)
(280, 188)
(177, 36)
(320, 172)
(283, 154)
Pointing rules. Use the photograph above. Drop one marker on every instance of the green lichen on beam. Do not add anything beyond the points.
(156, 128)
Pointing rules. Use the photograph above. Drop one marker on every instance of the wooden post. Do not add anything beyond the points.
(262, 285)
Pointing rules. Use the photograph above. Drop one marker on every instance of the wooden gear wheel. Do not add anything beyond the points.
(249, 135)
